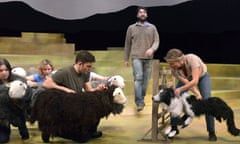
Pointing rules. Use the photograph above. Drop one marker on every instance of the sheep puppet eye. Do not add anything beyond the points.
(117, 94)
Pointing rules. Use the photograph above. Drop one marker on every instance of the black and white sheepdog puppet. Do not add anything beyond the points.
(191, 107)
(75, 116)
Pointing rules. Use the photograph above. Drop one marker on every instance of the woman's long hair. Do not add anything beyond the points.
(5, 62)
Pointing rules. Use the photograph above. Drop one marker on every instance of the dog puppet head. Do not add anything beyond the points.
(164, 96)
(169, 101)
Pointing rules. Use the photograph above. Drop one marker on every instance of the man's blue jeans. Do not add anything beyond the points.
(204, 86)
(142, 69)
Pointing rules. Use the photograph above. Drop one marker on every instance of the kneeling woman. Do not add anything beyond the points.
(12, 111)
(192, 74)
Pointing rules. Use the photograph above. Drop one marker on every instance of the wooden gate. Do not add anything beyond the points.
(160, 118)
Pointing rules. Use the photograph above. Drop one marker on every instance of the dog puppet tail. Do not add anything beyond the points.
(231, 124)
(220, 110)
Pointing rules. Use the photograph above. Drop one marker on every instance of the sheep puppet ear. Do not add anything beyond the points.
(109, 81)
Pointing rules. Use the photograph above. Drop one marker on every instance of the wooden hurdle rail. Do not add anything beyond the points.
(160, 120)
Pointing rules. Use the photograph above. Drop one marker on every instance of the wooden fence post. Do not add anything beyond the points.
(155, 76)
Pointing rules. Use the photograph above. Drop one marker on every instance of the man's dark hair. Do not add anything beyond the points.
(141, 8)
(84, 57)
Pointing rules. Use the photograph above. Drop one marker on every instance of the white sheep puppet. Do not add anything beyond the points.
(17, 89)
(19, 71)
(116, 80)
(19, 93)
(118, 96)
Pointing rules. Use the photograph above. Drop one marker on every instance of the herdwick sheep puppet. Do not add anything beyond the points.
(15, 98)
(75, 116)
(17, 89)
(191, 107)
(116, 80)
(19, 71)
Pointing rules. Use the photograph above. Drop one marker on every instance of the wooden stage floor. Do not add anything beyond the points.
(129, 129)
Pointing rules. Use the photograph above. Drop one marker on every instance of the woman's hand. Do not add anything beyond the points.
(196, 93)
(177, 92)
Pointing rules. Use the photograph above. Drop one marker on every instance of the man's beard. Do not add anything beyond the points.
(142, 20)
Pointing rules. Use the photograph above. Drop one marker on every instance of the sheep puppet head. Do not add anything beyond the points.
(17, 89)
(19, 71)
(118, 96)
(116, 80)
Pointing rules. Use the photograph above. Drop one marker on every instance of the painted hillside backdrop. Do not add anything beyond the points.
(209, 28)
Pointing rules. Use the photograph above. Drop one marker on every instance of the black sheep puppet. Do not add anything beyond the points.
(191, 107)
(15, 98)
(75, 116)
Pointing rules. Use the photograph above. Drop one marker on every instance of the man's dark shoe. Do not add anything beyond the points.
(212, 136)
(97, 134)
(45, 137)
(25, 136)
(140, 107)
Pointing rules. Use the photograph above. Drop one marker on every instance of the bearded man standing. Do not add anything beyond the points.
(142, 40)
